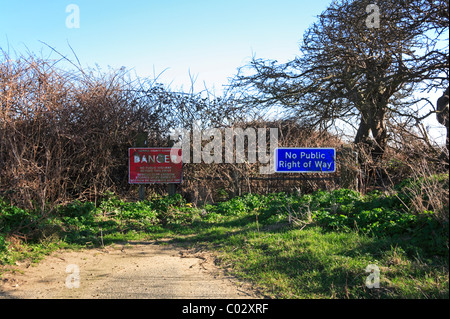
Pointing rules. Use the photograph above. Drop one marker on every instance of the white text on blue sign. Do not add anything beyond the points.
(305, 160)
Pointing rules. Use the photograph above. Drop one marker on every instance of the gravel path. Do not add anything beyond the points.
(138, 270)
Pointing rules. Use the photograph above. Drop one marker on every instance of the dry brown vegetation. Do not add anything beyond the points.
(64, 135)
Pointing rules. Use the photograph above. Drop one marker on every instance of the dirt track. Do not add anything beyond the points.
(137, 270)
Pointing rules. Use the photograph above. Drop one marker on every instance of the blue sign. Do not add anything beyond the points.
(305, 160)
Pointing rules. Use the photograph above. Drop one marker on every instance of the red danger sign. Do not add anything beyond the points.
(154, 165)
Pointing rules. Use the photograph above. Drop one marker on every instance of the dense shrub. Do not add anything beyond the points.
(13, 218)
(64, 135)
(376, 214)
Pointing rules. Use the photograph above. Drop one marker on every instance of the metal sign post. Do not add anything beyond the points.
(304, 160)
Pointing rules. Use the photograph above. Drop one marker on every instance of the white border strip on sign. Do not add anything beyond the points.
(302, 148)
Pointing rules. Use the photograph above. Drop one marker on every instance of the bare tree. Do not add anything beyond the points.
(354, 70)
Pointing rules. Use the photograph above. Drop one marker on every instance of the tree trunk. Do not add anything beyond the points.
(373, 120)
(378, 127)
(362, 136)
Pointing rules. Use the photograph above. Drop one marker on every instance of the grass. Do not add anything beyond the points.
(322, 254)
(312, 263)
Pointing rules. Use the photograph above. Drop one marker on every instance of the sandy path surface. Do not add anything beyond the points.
(137, 270)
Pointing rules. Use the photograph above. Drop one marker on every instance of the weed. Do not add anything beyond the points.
(322, 254)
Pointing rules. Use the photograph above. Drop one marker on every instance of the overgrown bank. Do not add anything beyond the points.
(323, 253)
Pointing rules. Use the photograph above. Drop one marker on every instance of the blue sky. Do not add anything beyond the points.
(208, 39)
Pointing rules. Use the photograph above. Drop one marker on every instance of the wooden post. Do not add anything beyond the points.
(141, 141)
(171, 188)
(141, 192)
(237, 183)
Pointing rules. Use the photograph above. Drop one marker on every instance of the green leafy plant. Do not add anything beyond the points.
(3, 243)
